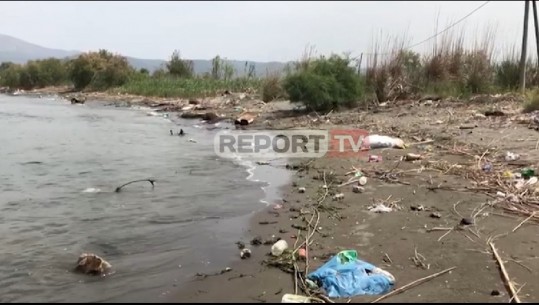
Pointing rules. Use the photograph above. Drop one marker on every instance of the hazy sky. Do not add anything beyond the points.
(261, 31)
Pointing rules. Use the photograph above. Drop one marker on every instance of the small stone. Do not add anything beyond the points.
(466, 221)
(436, 215)
(256, 241)
(495, 292)
(339, 196)
(417, 208)
(358, 189)
(241, 245)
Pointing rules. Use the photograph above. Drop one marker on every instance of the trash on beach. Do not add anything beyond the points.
(245, 119)
(245, 253)
(301, 189)
(487, 167)
(380, 208)
(295, 298)
(374, 158)
(412, 157)
(435, 215)
(279, 247)
(338, 196)
(527, 173)
(362, 180)
(509, 156)
(479, 115)
(466, 221)
(467, 126)
(344, 275)
(256, 241)
(191, 140)
(358, 189)
(277, 206)
(302, 253)
(89, 263)
(262, 162)
(377, 141)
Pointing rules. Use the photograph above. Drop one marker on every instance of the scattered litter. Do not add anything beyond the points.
(245, 119)
(438, 122)
(241, 245)
(435, 215)
(301, 190)
(358, 189)
(531, 181)
(380, 208)
(417, 208)
(362, 181)
(527, 173)
(279, 247)
(377, 141)
(487, 167)
(344, 275)
(302, 253)
(192, 141)
(277, 206)
(467, 126)
(375, 158)
(500, 194)
(339, 196)
(412, 157)
(245, 253)
(509, 156)
(479, 115)
(294, 298)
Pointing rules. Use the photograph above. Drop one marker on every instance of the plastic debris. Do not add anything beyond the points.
(344, 275)
(509, 156)
(487, 167)
(301, 190)
(412, 157)
(375, 158)
(294, 298)
(362, 181)
(339, 196)
(279, 247)
(380, 208)
(378, 141)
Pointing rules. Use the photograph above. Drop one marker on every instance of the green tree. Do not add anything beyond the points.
(179, 67)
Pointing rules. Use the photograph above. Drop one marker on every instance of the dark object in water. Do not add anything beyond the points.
(89, 263)
(120, 187)
(171, 133)
(181, 133)
(76, 101)
(494, 113)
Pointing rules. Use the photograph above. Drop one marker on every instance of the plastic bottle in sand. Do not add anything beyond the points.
(278, 248)
(294, 298)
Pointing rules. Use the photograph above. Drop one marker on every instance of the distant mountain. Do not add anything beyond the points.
(18, 51)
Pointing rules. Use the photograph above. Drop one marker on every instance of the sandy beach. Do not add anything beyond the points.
(429, 198)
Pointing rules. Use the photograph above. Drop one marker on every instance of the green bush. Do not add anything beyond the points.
(99, 70)
(272, 88)
(179, 67)
(532, 101)
(324, 84)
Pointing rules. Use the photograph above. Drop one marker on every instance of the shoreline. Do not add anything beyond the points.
(400, 241)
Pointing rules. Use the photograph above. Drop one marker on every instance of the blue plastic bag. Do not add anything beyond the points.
(344, 275)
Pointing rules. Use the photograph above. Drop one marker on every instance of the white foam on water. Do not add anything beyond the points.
(92, 190)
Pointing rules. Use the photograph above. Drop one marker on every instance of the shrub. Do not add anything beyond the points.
(179, 67)
(324, 83)
(532, 101)
(99, 70)
(272, 88)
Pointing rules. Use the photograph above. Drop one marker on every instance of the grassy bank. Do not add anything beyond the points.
(391, 71)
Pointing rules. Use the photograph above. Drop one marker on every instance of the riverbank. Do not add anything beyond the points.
(422, 234)
(426, 194)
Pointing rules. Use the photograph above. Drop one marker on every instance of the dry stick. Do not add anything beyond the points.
(506, 279)
(412, 284)
(524, 221)
(519, 289)
(120, 187)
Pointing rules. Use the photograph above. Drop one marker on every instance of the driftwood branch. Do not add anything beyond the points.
(152, 181)
(506, 279)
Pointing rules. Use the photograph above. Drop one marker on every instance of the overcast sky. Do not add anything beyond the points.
(259, 31)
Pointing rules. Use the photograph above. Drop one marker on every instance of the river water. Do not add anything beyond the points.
(59, 166)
